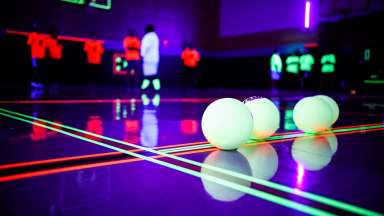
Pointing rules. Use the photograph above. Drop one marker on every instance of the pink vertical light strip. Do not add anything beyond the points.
(307, 14)
(300, 175)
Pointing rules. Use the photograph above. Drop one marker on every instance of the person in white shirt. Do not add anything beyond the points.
(151, 58)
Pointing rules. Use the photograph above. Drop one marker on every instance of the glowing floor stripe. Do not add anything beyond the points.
(286, 137)
(100, 164)
(257, 193)
(181, 147)
(168, 149)
(91, 101)
(31, 174)
(310, 196)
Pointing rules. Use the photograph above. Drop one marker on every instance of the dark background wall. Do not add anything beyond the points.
(235, 37)
(249, 17)
(176, 21)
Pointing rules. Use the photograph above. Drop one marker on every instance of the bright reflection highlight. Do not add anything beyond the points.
(314, 152)
(263, 160)
(300, 175)
(229, 160)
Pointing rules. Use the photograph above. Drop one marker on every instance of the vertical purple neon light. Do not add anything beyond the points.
(307, 14)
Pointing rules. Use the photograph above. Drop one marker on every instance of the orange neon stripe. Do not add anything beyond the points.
(318, 135)
(90, 156)
(335, 128)
(86, 166)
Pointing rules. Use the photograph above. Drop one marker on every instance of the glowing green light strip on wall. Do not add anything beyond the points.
(106, 6)
(374, 81)
(314, 197)
(79, 2)
(250, 191)
(93, 3)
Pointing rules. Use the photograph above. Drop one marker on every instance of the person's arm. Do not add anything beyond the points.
(30, 39)
(86, 46)
(144, 46)
(101, 48)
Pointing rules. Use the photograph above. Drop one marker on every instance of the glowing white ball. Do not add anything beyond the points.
(229, 160)
(334, 107)
(227, 123)
(262, 159)
(266, 117)
(313, 153)
(312, 115)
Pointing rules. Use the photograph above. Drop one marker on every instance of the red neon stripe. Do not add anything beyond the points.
(335, 128)
(55, 160)
(16, 32)
(311, 45)
(89, 156)
(86, 166)
(60, 37)
(74, 39)
(320, 135)
(82, 101)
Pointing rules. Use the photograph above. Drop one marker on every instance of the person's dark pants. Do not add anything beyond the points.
(133, 73)
(38, 70)
(189, 76)
(93, 73)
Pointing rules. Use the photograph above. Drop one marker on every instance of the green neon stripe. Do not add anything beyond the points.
(325, 133)
(107, 6)
(314, 197)
(250, 191)
(186, 148)
(276, 137)
(374, 81)
(79, 2)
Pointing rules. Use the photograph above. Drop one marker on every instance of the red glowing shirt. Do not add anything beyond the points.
(54, 48)
(190, 57)
(37, 43)
(94, 125)
(132, 48)
(94, 50)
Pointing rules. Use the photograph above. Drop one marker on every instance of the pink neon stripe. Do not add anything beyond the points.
(307, 13)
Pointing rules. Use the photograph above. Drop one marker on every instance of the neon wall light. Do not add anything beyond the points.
(79, 2)
(120, 64)
(103, 6)
(307, 14)
(106, 5)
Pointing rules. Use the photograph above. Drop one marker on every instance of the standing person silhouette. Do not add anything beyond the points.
(132, 45)
(94, 50)
(190, 57)
(151, 58)
(37, 43)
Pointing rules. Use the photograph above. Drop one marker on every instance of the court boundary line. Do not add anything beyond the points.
(251, 191)
(307, 195)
